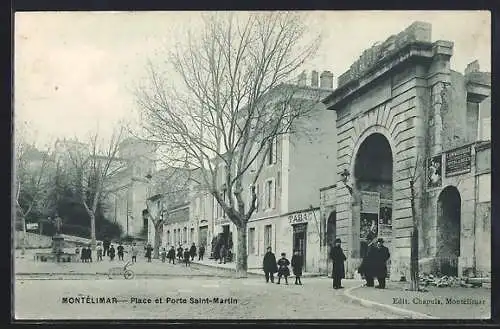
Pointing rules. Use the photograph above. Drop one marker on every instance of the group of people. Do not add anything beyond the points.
(85, 254)
(271, 266)
(374, 265)
(182, 254)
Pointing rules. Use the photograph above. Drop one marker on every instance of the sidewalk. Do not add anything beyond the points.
(441, 303)
(256, 271)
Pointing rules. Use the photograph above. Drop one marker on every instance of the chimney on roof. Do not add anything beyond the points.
(314, 79)
(326, 80)
(302, 80)
(472, 67)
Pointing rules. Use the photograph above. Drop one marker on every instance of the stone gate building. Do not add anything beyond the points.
(402, 113)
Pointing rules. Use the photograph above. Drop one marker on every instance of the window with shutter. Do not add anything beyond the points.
(275, 148)
(251, 241)
(257, 201)
(273, 198)
(486, 129)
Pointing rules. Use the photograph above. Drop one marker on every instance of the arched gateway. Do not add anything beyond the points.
(403, 115)
(382, 119)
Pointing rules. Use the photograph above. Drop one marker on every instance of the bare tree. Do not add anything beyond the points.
(31, 186)
(237, 99)
(415, 172)
(93, 165)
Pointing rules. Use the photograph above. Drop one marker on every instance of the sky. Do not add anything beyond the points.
(75, 72)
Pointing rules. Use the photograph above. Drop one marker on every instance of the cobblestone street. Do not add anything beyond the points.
(42, 299)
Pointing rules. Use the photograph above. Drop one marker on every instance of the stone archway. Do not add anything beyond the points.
(448, 230)
(373, 179)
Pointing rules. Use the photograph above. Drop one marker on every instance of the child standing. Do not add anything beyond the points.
(111, 252)
(283, 269)
(163, 254)
(297, 264)
(134, 251)
(187, 254)
(99, 252)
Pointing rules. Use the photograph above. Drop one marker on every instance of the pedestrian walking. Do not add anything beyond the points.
(192, 251)
(106, 244)
(223, 254)
(99, 252)
(111, 252)
(180, 252)
(297, 264)
(338, 258)
(283, 270)
(149, 250)
(187, 254)
(201, 252)
(77, 251)
(380, 257)
(163, 254)
(171, 255)
(269, 265)
(134, 251)
(120, 250)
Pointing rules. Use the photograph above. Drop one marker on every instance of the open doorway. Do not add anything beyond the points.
(448, 235)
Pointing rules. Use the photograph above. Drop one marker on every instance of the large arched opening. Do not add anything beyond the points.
(373, 174)
(448, 230)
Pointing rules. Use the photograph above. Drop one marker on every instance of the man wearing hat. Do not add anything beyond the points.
(380, 257)
(338, 258)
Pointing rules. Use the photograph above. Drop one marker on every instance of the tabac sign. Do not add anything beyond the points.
(301, 217)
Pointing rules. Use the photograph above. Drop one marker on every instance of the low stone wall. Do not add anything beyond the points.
(33, 240)
(37, 241)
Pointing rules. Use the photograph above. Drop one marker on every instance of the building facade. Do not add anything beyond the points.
(403, 116)
(287, 216)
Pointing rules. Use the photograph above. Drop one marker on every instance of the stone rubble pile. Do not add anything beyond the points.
(426, 280)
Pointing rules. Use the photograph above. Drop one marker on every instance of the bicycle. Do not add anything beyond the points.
(127, 273)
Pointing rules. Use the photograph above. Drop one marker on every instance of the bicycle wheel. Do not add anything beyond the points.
(128, 274)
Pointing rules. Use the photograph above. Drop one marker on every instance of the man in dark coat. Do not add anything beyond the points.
(201, 252)
(105, 245)
(269, 265)
(380, 257)
(180, 252)
(171, 255)
(192, 251)
(366, 267)
(297, 263)
(338, 258)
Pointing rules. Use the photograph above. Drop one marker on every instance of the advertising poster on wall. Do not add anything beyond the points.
(434, 172)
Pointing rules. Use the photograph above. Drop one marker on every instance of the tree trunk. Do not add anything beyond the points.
(92, 231)
(414, 243)
(157, 242)
(414, 260)
(23, 240)
(241, 252)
